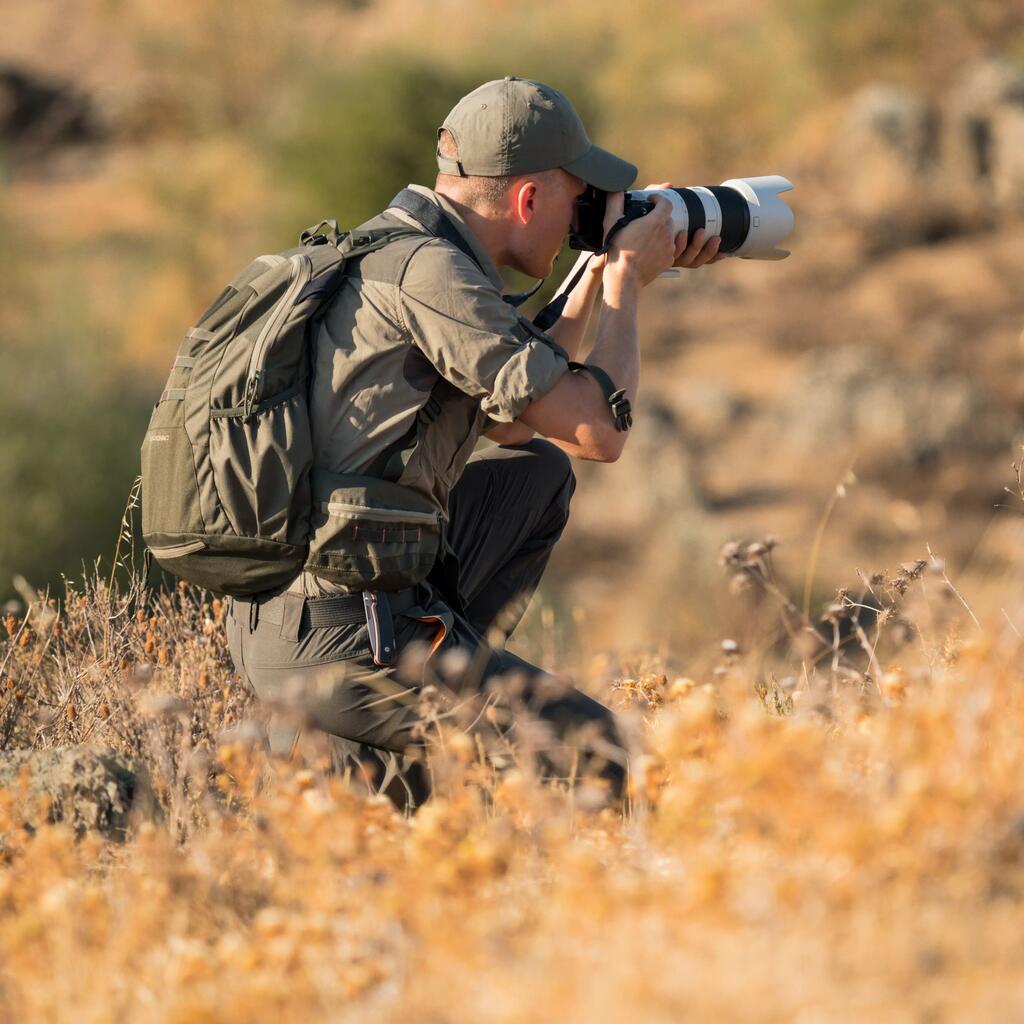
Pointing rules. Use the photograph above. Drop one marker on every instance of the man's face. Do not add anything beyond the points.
(554, 210)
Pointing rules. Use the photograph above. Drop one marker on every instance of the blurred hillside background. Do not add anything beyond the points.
(148, 150)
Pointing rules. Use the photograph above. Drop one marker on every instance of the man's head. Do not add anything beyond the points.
(517, 154)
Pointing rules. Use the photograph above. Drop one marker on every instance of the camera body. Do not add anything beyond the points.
(746, 213)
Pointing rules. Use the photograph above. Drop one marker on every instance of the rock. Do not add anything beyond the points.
(654, 487)
(891, 120)
(90, 790)
(983, 134)
(912, 171)
(885, 161)
(1007, 127)
(850, 396)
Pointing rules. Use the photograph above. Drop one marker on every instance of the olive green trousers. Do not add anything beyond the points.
(506, 513)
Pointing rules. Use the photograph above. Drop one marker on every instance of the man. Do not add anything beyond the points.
(420, 340)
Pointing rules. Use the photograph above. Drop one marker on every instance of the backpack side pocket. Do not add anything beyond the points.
(372, 534)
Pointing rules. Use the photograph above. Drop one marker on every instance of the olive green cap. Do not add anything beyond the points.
(516, 126)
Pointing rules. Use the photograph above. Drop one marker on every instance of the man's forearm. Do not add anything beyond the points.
(616, 349)
(571, 327)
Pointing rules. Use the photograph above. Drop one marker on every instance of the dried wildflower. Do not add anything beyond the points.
(909, 573)
(647, 691)
(740, 583)
(893, 685)
(681, 687)
(461, 747)
(835, 612)
(730, 553)
(163, 705)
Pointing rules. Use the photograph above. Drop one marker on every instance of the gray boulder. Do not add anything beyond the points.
(886, 161)
(852, 398)
(983, 141)
(89, 790)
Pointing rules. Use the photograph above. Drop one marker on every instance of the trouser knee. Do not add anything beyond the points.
(554, 469)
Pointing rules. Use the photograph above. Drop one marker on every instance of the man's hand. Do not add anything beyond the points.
(644, 248)
(698, 253)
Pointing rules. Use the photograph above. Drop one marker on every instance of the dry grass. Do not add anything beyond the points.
(826, 824)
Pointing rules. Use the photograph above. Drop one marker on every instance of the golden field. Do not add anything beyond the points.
(839, 838)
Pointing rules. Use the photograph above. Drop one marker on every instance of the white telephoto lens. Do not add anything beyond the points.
(746, 213)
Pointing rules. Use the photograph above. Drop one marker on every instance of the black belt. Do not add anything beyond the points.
(374, 609)
(320, 612)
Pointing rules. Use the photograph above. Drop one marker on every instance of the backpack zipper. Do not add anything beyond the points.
(343, 508)
(301, 273)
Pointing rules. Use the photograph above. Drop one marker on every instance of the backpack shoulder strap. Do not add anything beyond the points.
(436, 222)
(432, 219)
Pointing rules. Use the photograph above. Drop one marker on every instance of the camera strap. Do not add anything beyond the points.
(549, 315)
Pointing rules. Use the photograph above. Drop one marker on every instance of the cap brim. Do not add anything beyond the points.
(603, 170)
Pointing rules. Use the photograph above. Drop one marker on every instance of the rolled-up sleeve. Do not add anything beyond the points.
(474, 339)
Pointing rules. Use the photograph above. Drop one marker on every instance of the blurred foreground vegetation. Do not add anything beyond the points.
(833, 834)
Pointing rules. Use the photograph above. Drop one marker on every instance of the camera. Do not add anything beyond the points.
(746, 213)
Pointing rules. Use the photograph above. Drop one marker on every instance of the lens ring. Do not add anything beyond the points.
(735, 216)
(695, 218)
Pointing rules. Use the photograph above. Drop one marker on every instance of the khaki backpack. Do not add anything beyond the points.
(226, 461)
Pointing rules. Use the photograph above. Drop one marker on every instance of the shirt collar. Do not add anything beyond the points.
(485, 261)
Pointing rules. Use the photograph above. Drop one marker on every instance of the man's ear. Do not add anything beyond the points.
(524, 201)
